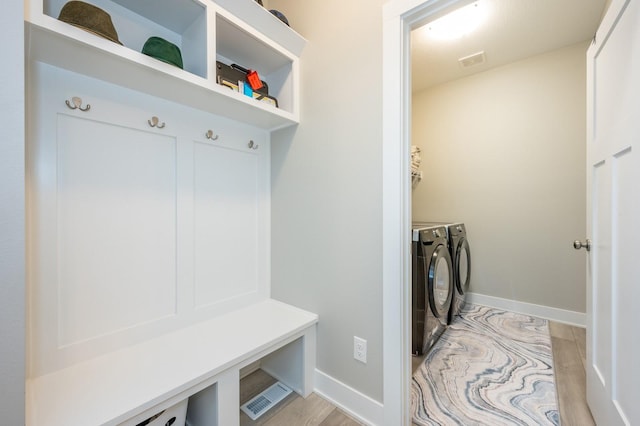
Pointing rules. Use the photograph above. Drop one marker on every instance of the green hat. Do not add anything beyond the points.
(163, 50)
(89, 18)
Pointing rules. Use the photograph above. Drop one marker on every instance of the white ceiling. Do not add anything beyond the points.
(513, 30)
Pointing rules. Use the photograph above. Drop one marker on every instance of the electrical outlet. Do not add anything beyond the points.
(360, 349)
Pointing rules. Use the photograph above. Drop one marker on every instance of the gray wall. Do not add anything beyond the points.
(517, 137)
(327, 186)
(12, 228)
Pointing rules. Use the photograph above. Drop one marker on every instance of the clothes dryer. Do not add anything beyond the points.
(461, 258)
(432, 286)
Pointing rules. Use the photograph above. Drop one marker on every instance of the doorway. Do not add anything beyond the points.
(400, 18)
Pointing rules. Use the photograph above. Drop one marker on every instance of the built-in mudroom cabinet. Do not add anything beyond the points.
(149, 214)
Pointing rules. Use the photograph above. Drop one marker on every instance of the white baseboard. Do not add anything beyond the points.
(351, 401)
(554, 314)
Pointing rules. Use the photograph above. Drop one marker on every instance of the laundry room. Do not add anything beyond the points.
(497, 164)
(502, 150)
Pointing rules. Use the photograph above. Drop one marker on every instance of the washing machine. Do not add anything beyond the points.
(432, 286)
(461, 258)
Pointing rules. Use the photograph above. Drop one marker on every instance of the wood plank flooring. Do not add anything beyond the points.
(569, 358)
(294, 410)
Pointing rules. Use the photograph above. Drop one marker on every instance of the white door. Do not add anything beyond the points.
(613, 201)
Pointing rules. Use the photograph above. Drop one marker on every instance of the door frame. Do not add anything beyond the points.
(399, 18)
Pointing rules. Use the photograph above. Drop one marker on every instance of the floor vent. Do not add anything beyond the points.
(267, 399)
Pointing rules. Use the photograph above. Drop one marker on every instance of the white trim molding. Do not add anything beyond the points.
(399, 17)
(396, 220)
(356, 404)
(554, 314)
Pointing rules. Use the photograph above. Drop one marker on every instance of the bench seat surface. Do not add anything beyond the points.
(114, 387)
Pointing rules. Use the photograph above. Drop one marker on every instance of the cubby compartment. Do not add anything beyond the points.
(235, 45)
(203, 407)
(181, 22)
(232, 31)
(218, 401)
(259, 18)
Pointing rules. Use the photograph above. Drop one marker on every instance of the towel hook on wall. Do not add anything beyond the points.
(154, 122)
(77, 104)
(211, 136)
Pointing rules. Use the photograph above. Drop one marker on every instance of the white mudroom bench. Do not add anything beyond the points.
(201, 363)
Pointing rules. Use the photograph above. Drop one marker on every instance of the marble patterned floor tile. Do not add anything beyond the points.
(491, 367)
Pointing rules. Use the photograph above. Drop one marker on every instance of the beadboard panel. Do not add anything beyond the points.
(226, 223)
(116, 194)
(136, 231)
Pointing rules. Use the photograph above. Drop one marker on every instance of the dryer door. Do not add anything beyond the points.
(440, 285)
(463, 266)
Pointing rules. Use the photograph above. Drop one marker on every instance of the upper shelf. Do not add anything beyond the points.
(264, 22)
(204, 32)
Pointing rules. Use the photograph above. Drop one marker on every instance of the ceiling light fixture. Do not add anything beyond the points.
(458, 23)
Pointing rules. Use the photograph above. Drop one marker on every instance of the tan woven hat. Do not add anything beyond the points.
(90, 18)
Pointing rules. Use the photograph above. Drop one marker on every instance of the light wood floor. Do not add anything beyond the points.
(294, 410)
(569, 359)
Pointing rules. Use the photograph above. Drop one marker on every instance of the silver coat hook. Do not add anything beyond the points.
(253, 145)
(211, 136)
(77, 104)
(154, 122)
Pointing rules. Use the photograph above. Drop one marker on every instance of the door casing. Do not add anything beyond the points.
(399, 18)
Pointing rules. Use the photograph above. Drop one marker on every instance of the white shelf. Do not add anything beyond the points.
(202, 29)
(118, 386)
(264, 22)
(235, 42)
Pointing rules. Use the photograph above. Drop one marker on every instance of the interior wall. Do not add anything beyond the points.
(12, 227)
(504, 152)
(327, 187)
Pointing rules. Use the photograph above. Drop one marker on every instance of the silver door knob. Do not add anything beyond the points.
(577, 244)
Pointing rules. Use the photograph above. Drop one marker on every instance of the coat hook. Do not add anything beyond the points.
(211, 136)
(154, 122)
(253, 145)
(77, 104)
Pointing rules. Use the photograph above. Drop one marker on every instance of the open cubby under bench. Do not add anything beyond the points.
(201, 362)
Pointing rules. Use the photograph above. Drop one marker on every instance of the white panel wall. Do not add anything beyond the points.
(504, 152)
(12, 224)
(116, 227)
(134, 230)
(230, 251)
